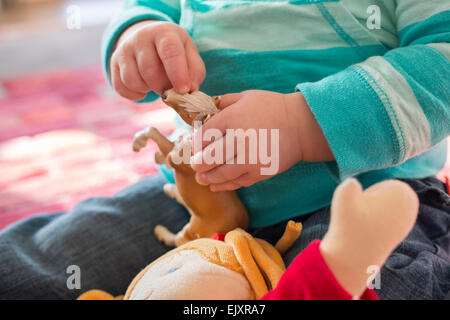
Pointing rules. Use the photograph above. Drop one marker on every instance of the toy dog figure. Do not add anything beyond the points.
(211, 212)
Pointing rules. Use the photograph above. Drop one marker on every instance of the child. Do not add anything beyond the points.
(351, 98)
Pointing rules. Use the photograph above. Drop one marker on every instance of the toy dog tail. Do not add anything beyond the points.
(291, 233)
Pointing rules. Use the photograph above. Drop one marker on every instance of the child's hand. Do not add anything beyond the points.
(300, 137)
(155, 56)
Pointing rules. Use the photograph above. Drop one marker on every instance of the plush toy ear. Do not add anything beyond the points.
(268, 258)
(271, 271)
(261, 262)
(273, 253)
(238, 242)
(261, 270)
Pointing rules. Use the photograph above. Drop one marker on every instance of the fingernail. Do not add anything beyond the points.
(184, 89)
(201, 179)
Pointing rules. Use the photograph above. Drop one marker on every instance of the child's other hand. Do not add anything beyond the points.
(155, 56)
(300, 137)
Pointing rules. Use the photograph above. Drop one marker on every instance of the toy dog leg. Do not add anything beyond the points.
(171, 191)
(159, 158)
(141, 138)
(164, 235)
(170, 239)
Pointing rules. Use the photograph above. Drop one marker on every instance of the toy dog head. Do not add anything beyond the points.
(191, 106)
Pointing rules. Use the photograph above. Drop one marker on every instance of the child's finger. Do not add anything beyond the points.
(217, 122)
(120, 88)
(152, 70)
(196, 65)
(208, 159)
(222, 150)
(245, 180)
(229, 99)
(131, 77)
(242, 181)
(173, 56)
(227, 186)
(221, 174)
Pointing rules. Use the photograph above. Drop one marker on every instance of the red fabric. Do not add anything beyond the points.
(444, 174)
(219, 236)
(309, 278)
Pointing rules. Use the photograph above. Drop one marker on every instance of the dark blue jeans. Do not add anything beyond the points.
(110, 240)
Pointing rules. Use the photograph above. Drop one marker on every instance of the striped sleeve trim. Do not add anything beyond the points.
(359, 132)
(170, 8)
(406, 115)
(442, 48)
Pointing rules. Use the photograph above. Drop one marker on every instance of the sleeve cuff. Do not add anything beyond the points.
(354, 121)
(118, 25)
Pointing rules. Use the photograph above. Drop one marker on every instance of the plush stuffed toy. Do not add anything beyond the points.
(365, 227)
(231, 266)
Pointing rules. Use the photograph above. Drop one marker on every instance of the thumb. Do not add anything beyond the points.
(229, 99)
(195, 64)
(219, 122)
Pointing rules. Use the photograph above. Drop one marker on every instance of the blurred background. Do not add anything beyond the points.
(43, 34)
(64, 135)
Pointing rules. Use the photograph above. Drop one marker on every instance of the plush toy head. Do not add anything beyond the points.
(199, 269)
(240, 267)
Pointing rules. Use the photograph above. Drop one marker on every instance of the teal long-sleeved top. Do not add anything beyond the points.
(380, 95)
